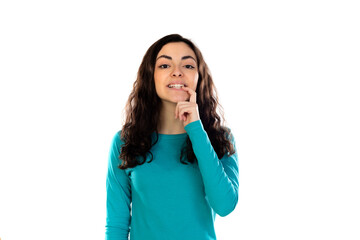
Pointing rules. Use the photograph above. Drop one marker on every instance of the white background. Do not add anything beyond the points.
(287, 73)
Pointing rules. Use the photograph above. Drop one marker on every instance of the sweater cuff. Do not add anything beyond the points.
(194, 127)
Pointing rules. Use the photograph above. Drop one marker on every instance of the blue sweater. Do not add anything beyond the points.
(165, 199)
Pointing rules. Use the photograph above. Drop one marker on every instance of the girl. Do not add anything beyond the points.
(173, 166)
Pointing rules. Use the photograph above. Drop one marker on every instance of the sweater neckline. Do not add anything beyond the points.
(171, 136)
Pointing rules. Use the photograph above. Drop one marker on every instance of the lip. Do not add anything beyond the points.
(176, 89)
(182, 83)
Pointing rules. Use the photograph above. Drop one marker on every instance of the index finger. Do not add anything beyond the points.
(192, 94)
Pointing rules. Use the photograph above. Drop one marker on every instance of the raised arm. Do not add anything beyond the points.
(221, 178)
(118, 197)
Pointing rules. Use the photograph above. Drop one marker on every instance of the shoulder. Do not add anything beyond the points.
(116, 140)
(117, 135)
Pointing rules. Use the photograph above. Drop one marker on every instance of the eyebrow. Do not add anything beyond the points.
(170, 58)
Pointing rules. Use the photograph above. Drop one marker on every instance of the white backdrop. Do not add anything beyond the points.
(287, 74)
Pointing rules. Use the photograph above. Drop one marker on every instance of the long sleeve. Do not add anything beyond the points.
(221, 178)
(118, 197)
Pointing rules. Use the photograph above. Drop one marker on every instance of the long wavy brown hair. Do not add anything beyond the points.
(143, 107)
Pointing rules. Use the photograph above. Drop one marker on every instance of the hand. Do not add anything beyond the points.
(187, 111)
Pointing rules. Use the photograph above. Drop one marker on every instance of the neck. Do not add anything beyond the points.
(167, 122)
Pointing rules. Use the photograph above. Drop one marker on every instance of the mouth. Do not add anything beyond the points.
(178, 86)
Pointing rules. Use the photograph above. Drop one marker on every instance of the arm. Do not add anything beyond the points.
(221, 178)
(118, 197)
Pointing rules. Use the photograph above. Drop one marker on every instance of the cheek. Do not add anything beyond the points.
(159, 75)
(158, 80)
(195, 81)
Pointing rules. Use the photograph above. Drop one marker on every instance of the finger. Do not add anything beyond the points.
(179, 105)
(192, 94)
(178, 108)
(184, 116)
(184, 110)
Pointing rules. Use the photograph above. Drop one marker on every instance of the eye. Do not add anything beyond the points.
(164, 66)
(189, 66)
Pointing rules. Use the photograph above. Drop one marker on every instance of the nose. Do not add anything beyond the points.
(177, 72)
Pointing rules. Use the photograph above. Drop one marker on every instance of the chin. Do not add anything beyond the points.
(176, 100)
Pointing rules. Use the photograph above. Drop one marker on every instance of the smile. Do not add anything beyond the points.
(178, 86)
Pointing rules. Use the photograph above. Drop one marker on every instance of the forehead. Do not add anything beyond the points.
(176, 49)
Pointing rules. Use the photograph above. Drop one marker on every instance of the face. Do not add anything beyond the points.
(175, 64)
